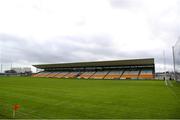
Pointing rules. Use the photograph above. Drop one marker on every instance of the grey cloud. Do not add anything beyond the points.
(125, 4)
(68, 49)
(60, 49)
(164, 23)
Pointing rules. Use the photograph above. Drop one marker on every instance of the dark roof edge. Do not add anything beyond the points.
(95, 62)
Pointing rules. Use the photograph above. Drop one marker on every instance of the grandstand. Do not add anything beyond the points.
(119, 69)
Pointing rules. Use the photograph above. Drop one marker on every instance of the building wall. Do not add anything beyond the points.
(22, 70)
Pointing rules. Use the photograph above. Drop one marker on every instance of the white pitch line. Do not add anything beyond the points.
(173, 93)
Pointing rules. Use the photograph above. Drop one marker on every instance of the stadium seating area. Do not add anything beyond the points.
(86, 75)
(42, 74)
(130, 74)
(114, 74)
(99, 75)
(61, 74)
(52, 74)
(117, 69)
(72, 75)
(145, 74)
(111, 74)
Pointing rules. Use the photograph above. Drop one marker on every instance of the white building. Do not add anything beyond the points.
(22, 70)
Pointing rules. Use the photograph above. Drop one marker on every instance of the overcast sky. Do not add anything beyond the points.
(55, 31)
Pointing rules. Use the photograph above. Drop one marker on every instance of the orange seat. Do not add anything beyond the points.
(43, 74)
(97, 76)
(112, 76)
(146, 76)
(129, 76)
(86, 75)
(51, 75)
(71, 75)
(61, 75)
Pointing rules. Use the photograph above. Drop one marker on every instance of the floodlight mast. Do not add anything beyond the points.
(165, 79)
(174, 62)
(164, 56)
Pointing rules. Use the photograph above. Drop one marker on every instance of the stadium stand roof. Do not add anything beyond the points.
(132, 62)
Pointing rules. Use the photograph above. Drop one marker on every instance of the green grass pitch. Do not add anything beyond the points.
(80, 99)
